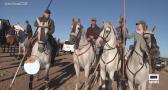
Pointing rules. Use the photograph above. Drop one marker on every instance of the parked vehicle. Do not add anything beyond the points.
(67, 47)
(160, 65)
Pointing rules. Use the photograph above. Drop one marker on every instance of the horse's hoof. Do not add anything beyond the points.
(46, 88)
(103, 89)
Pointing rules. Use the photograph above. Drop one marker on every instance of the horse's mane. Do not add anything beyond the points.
(154, 51)
(83, 31)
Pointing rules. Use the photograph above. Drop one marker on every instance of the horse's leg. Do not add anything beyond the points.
(38, 76)
(7, 48)
(47, 67)
(10, 50)
(130, 85)
(18, 56)
(103, 77)
(87, 68)
(24, 50)
(111, 75)
(19, 49)
(14, 50)
(77, 70)
(30, 82)
(142, 86)
(3, 48)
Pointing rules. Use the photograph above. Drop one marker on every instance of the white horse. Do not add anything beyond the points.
(137, 68)
(42, 48)
(109, 59)
(22, 39)
(84, 53)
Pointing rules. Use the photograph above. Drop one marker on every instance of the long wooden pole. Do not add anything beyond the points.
(49, 4)
(17, 71)
(123, 48)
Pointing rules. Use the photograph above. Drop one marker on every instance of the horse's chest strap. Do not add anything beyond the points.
(134, 74)
(110, 60)
(82, 52)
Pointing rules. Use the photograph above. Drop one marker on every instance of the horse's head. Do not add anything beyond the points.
(42, 33)
(11, 35)
(75, 31)
(106, 34)
(150, 39)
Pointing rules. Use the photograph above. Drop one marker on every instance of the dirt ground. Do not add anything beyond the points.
(61, 75)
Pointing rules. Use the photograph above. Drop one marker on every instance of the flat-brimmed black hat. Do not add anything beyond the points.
(93, 19)
(47, 11)
(143, 23)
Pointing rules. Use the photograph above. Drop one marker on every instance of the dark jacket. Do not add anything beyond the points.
(120, 33)
(93, 32)
(29, 30)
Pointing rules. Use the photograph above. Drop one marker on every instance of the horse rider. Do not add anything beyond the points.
(141, 27)
(120, 31)
(28, 29)
(51, 27)
(92, 34)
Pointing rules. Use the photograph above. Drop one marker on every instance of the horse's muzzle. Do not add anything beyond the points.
(41, 47)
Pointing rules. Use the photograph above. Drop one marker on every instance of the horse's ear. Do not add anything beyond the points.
(103, 22)
(73, 20)
(78, 20)
(110, 23)
(102, 25)
(153, 30)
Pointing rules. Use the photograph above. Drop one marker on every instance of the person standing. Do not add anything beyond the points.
(28, 29)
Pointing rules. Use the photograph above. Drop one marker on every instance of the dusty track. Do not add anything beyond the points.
(62, 75)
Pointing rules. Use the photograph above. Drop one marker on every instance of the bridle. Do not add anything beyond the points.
(42, 42)
(77, 37)
(110, 47)
(42, 25)
(105, 37)
(149, 48)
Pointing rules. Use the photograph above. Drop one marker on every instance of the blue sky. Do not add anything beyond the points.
(154, 12)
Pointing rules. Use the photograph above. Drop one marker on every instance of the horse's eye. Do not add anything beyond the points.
(145, 37)
(78, 25)
(107, 31)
